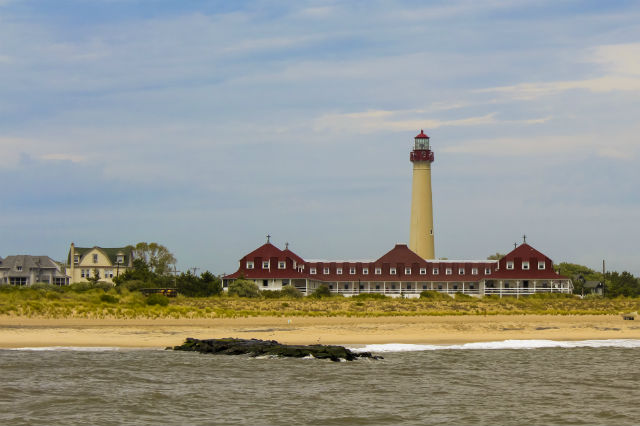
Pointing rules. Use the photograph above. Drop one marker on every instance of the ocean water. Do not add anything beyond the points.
(509, 383)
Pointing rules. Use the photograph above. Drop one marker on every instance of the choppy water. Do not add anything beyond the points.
(500, 383)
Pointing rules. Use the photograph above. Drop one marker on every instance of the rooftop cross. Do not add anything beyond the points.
(515, 245)
(286, 245)
(268, 238)
(524, 239)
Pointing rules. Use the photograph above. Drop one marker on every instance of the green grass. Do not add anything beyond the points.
(47, 302)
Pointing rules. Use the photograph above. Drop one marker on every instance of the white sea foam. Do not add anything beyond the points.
(75, 348)
(505, 344)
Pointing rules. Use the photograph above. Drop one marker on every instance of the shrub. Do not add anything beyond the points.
(364, 296)
(434, 295)
(290, 291)
(86, 286)
(48, 287)
(157, 299)
(271, 294)
(462, 296)
(108, 298)
(244, 288)
(322, 291)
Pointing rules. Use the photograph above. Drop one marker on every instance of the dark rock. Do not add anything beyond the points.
(256, 347)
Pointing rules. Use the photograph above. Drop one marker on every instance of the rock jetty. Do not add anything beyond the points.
(256, 347)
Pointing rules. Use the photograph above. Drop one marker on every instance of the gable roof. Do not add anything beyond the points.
(401, 254)
(265, 251)
(28, 262)
(293, 256)
(525, 251)
(111, 252)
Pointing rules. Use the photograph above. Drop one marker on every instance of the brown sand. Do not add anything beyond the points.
(29, 332)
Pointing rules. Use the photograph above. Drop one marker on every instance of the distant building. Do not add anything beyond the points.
(27, 270)
(523, 271)
(593, 287)
(108, 263)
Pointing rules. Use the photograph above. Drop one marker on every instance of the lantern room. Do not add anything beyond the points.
(421, 149)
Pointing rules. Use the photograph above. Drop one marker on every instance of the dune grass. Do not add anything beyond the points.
(98, 303)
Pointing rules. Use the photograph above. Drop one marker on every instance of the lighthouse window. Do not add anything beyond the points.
(430, 231)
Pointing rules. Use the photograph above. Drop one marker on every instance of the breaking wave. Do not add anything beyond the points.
(506, 344)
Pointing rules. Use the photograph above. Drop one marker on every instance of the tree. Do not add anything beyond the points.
(496, 256)
(157, 257)
(205, 285)
(624, 284)
(95, 278)
(579, 274)
(244, 288)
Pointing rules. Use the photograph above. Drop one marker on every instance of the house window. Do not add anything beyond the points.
(265, 283)
(471, 287)
(325, 271)
(282, 265)
(95, 258)
(408, 286)
(285, 282)
(249, 264)
(377, 286)
(82, 273)
(525, 266)
(510, 264)
(541, 265)
(436, 271)
(352, 270)
(392, 271)
(393, 286)
(487, 271)
(423, 271)
(378, 271)
(448, 271)
(76, 259)
(361, 286)
(339, 271)
(312, 271)
(474, 271)
(460, 271)
(365, 271)
(407, 271)
(506, 284)
(19, 268)
(265, 264)
(108, 273)
(346, 286)
(424, 286)
(120, 259)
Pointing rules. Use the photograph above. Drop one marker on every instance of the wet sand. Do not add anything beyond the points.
(18, 332)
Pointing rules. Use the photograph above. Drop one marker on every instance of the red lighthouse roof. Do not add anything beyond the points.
(422, 135)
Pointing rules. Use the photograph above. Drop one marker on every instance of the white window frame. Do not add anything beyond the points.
(423, 271)
(487, 271)
(282, 265)
(510, 265)
(378, 271)
(95, 257)
(365, 271)
(312, 271)
(352, 270)
(76, 259)
(266, 264)
(461, 271)
(339, 271)
(525, 265)
(392, 271)
(543, 264)
(436, 271)
(407, 271)
(326, 270)
(250, 264)
(120, 258)
(474, 271)
(448, 271)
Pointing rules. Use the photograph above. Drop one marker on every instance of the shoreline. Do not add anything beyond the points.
(21, 332)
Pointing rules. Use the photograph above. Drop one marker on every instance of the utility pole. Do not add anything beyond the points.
(194, 269)
(603, 278)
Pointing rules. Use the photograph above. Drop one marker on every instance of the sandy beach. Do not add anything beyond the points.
(18, 332)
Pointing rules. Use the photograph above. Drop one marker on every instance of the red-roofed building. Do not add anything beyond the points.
(401, 272)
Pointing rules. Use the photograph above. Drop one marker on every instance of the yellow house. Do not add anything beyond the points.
(84, 262)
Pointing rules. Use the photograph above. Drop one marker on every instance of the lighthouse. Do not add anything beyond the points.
(421, 232)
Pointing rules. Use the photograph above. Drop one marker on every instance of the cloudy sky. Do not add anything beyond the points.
(207, 125)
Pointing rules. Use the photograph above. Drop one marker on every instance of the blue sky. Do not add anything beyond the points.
(205, 126)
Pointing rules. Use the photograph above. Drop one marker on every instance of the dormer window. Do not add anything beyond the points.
(265, 264)
(525, 266)
(541, 265)
(339, 271)
(392, 271)
(487, 271)
(325, 271)
(95, 258)
(352, 270)
(76, 259)
(378, 271)
(312, 271)
(282, 265)
(407, 271)
(460, 271)
(509, 265)
(448, 271)
(436, 271)
(423, 271)
(365, 271)
(249, 264)
(474, 271)
(120, 258)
